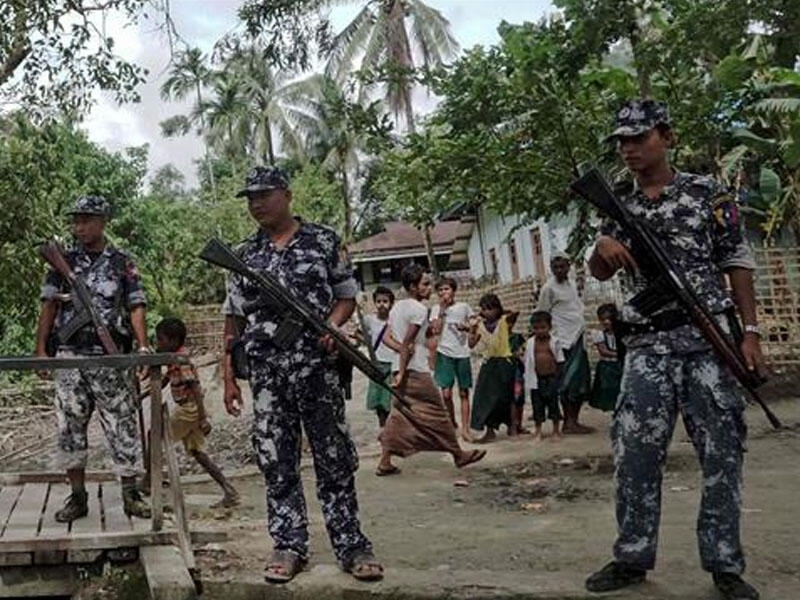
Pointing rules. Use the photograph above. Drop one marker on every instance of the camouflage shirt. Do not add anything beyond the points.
(115, 286)
(697, 220)
(310, 267)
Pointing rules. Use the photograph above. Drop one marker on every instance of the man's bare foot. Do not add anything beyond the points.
(467, 436)
(537, 436)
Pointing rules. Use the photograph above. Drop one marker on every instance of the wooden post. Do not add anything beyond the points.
(181, 520)
(156, 428)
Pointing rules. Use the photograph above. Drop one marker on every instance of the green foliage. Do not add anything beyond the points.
(53, 55)
(316, 197)
(43, 169)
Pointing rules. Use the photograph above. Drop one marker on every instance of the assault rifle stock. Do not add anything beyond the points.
(668, 281)
(81, 298)
(276, 295)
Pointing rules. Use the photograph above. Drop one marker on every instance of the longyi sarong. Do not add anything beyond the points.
(421, 422)
(494, 393)
(576, 381)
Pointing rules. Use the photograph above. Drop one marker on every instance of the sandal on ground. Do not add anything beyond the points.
(385, 471)
(283, 565)
(472, 457)
(363, 566)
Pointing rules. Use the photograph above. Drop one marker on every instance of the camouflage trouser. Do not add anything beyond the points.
(287, 394)
(78, 394)
(654, 388)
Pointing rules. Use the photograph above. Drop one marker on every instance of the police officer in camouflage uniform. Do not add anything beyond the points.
(116, 290)
(669, 367)
(294, 380)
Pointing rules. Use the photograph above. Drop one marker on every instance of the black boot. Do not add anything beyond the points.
(75, 507)
(733, 587)
(614, 576)
(132, 502)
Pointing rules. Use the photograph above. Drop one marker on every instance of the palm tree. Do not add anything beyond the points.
(378, 37)
(264, 92)
(189, 74)
(316, 108)
(226, 116)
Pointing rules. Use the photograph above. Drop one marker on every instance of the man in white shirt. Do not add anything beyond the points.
(420, 421)
(449, 320)
(559, 297)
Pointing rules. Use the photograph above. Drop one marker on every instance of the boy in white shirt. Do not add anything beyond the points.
(379, 399)
(450, 321)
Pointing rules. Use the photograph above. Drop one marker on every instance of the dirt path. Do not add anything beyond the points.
(530, 510)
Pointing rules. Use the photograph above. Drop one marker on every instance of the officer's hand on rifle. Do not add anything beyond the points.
(328, 343)
(614, 254)
(232, 397)
(753, 357)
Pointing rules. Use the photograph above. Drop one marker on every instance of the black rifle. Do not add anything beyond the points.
(667, 283)
(297, 313)
(81, 299)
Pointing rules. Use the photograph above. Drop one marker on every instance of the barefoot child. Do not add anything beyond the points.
(544, 360)
(517, 342)
(188, 422)
(495, 387)
(378, 398)
(608, 372)
(449, 320)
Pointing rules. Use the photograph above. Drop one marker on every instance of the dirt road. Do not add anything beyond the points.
(530, 519)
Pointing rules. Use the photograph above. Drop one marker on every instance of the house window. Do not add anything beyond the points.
(512, 253)
(493, 261)
(538, 256)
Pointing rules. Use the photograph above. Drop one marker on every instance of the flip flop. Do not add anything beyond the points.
(289, 562)
(472, 457)
(394, 470)
(359, 566)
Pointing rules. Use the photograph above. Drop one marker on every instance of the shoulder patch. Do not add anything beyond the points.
(726, 212)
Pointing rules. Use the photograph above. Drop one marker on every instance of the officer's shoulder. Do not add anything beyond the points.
(118, 255)
(703, 185)
(322, 233)
(242, 245)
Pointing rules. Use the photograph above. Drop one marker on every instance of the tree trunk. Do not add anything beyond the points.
(642, 73)
(207, 158)
(428, 241)
(348, 216)
(268, 136)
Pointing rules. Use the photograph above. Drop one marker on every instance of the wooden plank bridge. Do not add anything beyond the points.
(31, 540)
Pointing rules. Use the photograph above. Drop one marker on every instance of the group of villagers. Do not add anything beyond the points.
(426, 352)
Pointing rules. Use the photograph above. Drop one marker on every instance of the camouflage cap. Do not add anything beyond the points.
(635, 117)
(264, 178)
(91, 205)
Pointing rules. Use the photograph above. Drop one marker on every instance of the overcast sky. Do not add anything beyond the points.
(201, 23)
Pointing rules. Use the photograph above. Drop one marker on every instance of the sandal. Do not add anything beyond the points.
(363, 566)
(383, 472)
(472, 457)
(283, 565)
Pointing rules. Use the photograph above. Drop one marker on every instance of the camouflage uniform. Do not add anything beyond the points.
(115, 287)
(299, 384)
(667, 372)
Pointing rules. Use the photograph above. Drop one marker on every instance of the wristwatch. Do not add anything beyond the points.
(752, 329)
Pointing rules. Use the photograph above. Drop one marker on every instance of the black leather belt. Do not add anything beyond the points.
(663, 321)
